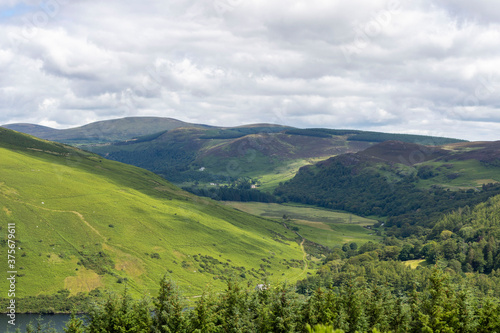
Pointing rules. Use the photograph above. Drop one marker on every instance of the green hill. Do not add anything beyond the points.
(84, 222)
(410, 186)
(189, 154)
(268, 154)
(220, 156)
(104, 131)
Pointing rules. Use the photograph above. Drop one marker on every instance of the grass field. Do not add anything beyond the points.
(269, 181)
(84, 222)
(469, 174)
(321, 226)
(415, 263)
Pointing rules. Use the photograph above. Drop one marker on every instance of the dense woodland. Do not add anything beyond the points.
(355, 305)
(238, 190)
(368, 192)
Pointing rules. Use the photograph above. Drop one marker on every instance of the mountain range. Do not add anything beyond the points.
(85, 222)
(187, 153)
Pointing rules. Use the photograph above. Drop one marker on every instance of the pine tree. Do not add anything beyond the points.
(74, 325)
(354, 307)
(233, 309)
(283, 313)
(320, 308)
(118, 314)
(441, 312)
(203, 318)
(489, 315)
(169, 317)
(142, 320)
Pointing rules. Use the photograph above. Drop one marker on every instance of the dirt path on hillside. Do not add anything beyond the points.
(85, 221)
(304, 257)
(80, 216)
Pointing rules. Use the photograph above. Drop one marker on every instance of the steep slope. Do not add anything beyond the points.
(83, 222)
(406, 184)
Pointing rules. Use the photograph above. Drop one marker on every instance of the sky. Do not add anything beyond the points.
(427, 67)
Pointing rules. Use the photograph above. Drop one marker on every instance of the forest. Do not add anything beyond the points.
(440, 304)
(407, 209)
(369, 288)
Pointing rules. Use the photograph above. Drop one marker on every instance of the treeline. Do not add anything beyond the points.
(411, 138)
(140, 139)
(356, 135)
(466, 240)
(469, 238)
(318, 133)
(227, 193)
(465, 243)
(180, 174)
(387, 264)
(354, 306)
(154, 158)
(368, 192)
(234, 133)
(60, 302)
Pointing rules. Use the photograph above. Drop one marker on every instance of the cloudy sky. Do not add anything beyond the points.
(420, 66)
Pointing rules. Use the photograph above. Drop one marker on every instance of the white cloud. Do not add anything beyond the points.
(396, 65)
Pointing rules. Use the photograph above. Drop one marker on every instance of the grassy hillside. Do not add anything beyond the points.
(409, 185)
(84, 222)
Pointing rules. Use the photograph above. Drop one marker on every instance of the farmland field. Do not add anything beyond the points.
(325, 227)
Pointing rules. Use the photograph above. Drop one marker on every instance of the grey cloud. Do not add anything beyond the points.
(384, 65)
(485, 11)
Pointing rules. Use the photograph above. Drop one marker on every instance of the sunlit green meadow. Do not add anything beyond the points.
(322, 226)
(136, 226)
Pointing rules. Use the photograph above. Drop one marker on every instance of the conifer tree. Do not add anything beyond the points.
(203, 318)
(74, 325)
(283, 310)
(168, 314)
(354, 307)
(233, 309)
(489, 315)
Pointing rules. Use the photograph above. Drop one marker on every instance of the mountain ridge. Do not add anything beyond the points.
(105, 130)
(201, 155)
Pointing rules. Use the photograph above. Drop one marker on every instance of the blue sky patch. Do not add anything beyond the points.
(17, 10)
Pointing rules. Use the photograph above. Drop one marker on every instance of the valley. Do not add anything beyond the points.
(310, 208)
(85, 222)
(321, 226)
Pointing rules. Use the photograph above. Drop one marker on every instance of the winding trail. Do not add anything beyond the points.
(304, 257)
(80, 216)
(85, 221)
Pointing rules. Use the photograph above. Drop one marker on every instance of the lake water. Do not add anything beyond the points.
(58, 321)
